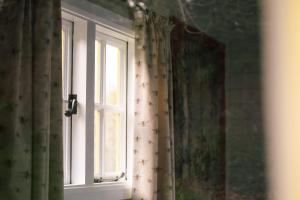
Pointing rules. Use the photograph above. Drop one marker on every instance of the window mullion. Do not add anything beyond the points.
(123, 77)
(103, 72)
(102, 139)
(103, 99)
(110, 108)
(90, 92)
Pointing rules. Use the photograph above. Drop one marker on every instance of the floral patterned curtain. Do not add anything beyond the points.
(153, 142)
(31, 165)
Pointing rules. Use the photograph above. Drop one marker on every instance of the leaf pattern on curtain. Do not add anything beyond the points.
(31, 166)
(153, 176)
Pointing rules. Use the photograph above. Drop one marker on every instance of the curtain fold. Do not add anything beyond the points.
(153, 146)
(31, 165)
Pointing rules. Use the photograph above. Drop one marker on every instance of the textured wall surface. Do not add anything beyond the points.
(199, 115)
(118, 6)
(236, 24)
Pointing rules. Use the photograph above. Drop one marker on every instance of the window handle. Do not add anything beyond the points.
(117, 178)
(123, 175)
(72, 105)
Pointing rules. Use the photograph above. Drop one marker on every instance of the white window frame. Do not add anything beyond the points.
(103, 107)
(85, 26)
(67, 27)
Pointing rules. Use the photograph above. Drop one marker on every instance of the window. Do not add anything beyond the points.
(98, 67)
(110, 108)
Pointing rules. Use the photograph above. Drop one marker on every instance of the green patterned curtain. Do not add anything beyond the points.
(31, 165)
(153, 147)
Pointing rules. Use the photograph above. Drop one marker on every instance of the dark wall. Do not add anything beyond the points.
(199, 114)
(117, 6)
(236, 23)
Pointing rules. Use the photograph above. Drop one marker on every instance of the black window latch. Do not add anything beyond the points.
(72, 105)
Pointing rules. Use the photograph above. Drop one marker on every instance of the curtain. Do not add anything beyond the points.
(31, 166)
(153, 176)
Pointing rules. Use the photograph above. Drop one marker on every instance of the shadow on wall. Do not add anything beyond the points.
(206, 166)
(199, 114)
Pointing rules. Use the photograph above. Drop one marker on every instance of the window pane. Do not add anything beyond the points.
(63, 40)
(66, 60)
(112, 160)
(97, 71)
(113, 66)
(97, 145)
(66, 45)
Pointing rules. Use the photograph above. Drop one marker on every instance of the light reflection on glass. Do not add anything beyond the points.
(63, 61)
(97, 143)
(97, 71)
(112, 143)
(113, 65)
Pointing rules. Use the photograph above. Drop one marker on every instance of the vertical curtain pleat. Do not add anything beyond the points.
(153, 149)
(30, 100)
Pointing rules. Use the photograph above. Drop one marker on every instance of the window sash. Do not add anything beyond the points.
(103, 107)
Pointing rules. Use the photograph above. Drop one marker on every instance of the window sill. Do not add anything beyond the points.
(103, 191)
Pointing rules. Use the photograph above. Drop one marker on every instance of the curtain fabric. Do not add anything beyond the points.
(31, 166)
(153, 176)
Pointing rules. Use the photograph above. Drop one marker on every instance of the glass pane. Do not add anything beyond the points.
(66, 44)
(113, 65)
(97, 71)
(112, 143)
(97, 144)
(63, 40)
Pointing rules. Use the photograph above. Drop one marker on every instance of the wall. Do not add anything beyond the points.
(117, 6)
(236, 24)
(199, 114)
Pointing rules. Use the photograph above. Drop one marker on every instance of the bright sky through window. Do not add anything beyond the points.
(112, 75)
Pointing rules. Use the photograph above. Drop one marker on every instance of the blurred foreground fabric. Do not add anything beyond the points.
(31, 166)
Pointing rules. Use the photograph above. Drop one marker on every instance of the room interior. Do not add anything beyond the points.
(149, 99)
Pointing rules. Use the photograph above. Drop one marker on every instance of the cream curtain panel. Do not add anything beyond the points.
(153, 143)
(31, 165)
